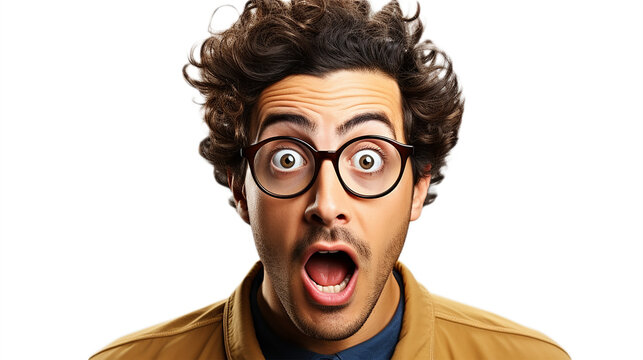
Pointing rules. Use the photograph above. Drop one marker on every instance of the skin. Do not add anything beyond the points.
(326, 213)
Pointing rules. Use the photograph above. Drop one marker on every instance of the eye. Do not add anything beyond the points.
(287, 160)
(367, 160)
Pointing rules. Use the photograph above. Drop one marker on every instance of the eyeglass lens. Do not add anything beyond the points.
(367, 167)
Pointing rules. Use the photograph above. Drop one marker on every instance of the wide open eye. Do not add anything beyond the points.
(367, 161)
(287, 160)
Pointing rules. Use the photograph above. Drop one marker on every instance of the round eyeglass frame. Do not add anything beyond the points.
(319, 156)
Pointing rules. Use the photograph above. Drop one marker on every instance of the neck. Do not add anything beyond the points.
(277, 318)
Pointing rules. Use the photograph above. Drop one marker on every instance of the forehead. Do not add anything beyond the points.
(321, 105)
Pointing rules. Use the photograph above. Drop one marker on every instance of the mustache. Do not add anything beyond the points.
(318, 233)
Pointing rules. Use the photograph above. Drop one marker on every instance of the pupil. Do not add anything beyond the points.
(366, 162)
(287, 160)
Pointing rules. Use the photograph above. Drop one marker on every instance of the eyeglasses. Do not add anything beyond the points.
(367, 166)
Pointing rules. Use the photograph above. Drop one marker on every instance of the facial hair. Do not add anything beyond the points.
(280, 275)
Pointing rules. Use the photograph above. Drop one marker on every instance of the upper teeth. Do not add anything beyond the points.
(327, 251)
(333, 289)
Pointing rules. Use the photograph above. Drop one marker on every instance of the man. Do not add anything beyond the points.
(329, 123)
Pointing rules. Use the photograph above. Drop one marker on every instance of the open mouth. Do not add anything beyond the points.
(330, 270)
(329, 276)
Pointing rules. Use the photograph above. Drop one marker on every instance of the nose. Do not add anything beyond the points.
(329, 201)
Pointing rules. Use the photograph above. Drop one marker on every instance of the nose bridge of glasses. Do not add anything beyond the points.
(327, 181)
(320, 156)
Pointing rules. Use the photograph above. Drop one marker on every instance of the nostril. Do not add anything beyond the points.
(341, 217)
(318, 219)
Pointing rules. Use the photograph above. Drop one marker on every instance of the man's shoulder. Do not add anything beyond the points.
(440, 328)
(483, 332)
(196, 331)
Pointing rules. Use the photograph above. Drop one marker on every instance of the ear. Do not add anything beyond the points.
(420, 191)
(239, 196)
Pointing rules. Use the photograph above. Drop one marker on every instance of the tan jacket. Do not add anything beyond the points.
(432, 328)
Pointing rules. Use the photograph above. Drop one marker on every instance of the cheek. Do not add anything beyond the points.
(274, 222)
(383, 218)
(394, 206)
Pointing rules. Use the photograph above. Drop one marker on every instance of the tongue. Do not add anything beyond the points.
(328, 269)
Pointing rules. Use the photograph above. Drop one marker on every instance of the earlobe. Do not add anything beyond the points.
(420, 192)
(239, 196)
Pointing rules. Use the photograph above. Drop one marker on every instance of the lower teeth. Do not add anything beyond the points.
(333, 289)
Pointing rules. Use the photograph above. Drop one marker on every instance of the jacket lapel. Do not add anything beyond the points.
(416, 336)
(238, 329)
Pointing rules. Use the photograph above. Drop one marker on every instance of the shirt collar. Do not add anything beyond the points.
(380, 346)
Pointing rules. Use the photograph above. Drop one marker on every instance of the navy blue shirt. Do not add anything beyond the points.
(380, 346)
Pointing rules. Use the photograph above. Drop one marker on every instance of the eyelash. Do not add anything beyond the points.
(377, 149)
(283, 147)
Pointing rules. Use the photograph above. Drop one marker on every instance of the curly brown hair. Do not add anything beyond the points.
(273, 39)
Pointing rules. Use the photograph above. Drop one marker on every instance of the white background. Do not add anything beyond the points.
(111, 222)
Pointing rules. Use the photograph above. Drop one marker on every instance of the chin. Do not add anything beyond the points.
(331, 325)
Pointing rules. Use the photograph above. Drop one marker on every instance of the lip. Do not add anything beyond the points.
(322, 298)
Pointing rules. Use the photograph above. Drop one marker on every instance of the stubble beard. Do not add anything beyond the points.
(332, 330)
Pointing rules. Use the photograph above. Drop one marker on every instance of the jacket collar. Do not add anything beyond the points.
(418, 331)
(238, 330)
(416, 336)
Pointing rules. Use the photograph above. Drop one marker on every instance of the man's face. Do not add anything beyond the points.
(359, 239)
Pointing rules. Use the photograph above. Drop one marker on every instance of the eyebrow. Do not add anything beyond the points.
(288, 118)
(310, 126)
(362, 118)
